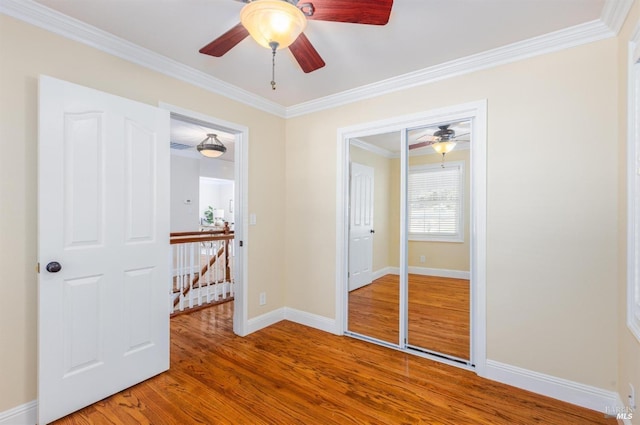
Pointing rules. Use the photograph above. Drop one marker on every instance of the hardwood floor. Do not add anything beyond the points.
(438, 313)
(292, 374)
(374, 309)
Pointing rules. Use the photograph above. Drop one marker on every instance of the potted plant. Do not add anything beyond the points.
(208, 215)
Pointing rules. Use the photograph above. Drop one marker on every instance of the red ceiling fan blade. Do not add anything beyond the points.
(372, 12)
(306, 55)
(226, 41)
(420, 145)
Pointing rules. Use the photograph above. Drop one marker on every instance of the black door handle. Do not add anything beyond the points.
(372, 231)
(54, 267)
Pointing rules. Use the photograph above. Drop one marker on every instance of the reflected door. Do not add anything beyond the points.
(373, 297)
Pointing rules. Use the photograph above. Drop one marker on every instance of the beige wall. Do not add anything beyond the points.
(554, 223)
(25, 53)
(438, 255)
(628, 345)
(381, 204)
(552, 216)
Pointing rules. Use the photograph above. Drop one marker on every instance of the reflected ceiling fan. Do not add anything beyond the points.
(443, 140)
(278, 24)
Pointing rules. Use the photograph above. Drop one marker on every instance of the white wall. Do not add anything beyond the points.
(216, 193)
(185, 183)
(216, 168)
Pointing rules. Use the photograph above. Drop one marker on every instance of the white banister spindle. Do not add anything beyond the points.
(200, 270)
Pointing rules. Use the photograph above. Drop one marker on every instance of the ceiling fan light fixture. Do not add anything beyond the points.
(273, 21)
(211, 147)
(444, 147)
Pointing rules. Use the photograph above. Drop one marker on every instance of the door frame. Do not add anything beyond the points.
(241, 196)
(477, 112)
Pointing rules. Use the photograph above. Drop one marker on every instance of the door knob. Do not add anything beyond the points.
(372, 231)
(54, 267)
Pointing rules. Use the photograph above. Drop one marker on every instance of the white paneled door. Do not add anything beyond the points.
(103, 245)
(361, 226)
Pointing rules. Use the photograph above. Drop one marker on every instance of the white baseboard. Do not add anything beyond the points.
(425, 271)
(25, 414)
(265, 320)
(312, 320)
(561, 389)
(385, 271)
(298, 316)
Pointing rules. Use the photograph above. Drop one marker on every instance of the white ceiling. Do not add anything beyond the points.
(191, 133)
(420, 34)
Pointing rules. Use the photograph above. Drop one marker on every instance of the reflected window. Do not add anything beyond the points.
(435, 197)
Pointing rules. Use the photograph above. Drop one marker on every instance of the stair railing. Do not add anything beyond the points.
(202, 264)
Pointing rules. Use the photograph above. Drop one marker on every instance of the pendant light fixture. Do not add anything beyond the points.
(444, 143)
(274, 24)
(211, 147)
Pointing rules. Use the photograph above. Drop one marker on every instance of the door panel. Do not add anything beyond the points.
(373, 302)
(103, 215)
(361, 226)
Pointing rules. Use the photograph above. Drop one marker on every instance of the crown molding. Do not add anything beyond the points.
(359, 143)
(614, 13)
(548, 43)
(43, 17)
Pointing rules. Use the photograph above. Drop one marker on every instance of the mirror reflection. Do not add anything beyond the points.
(374, 236)
(438, 188)
(437, 309)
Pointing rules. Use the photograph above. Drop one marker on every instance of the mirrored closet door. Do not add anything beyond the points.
(438, 252)
(374, 237)
(409, 239)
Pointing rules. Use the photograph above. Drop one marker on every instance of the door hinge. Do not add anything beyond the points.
(37, 267)
(240, 243)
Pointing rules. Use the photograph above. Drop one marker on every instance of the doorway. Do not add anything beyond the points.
(426, 296)
(231, 176)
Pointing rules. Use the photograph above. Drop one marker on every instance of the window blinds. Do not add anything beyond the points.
(435, 200)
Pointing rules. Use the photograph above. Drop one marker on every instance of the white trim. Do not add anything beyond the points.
(66, 26)
(297, 316)
(385, 271)
(423, 271)
(315, 321)
(25, 414)
(241, 228)
(613, 14)
(265, 320)
(477, 111)
(426, 271)
(548, 43)
(373, 148)
(561, 389)
(633, 186)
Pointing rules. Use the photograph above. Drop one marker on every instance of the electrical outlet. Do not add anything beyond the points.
(422, 259)
(263, 298)
(632, 397)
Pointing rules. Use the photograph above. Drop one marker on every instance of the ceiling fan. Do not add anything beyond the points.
(442, 135)
(278, 24)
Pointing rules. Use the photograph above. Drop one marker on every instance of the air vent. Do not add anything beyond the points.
(179, 146)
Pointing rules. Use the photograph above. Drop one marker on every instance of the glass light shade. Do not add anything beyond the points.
(211, 147)
(444, 147)
(271, 21)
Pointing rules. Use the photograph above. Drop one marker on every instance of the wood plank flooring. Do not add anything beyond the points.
(292, 374)
(438, 313)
